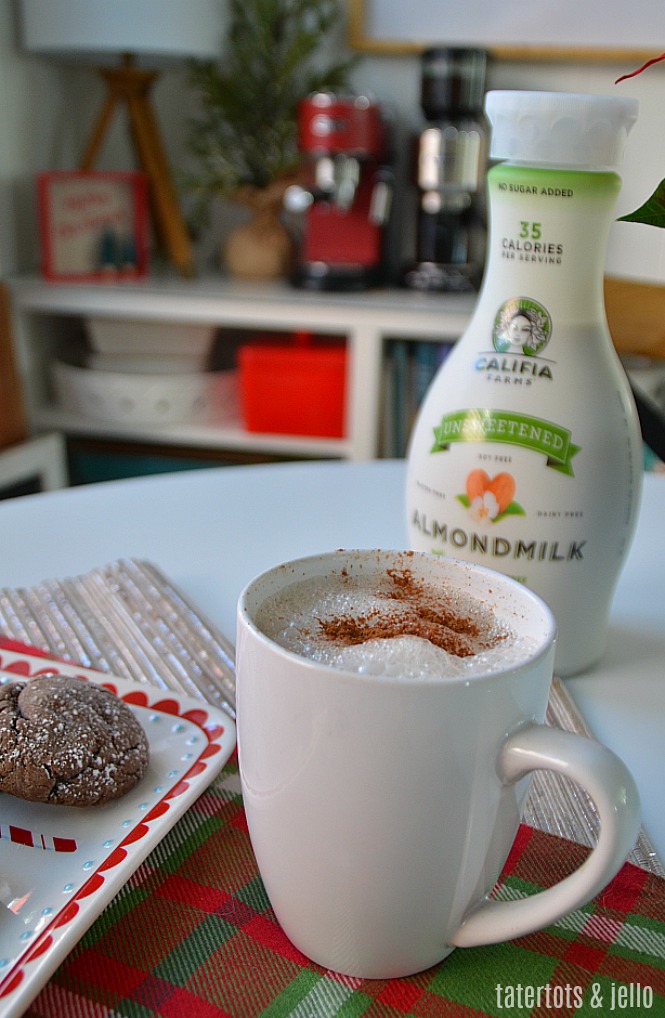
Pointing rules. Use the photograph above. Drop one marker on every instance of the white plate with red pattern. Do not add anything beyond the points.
(60, 866)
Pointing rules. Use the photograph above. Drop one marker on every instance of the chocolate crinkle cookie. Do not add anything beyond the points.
(68, 742)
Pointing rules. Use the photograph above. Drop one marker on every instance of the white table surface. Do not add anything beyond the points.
(211, 530)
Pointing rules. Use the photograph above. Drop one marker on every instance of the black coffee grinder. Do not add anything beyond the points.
(449, 164)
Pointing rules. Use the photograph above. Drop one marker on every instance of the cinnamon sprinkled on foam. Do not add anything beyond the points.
(418, 611)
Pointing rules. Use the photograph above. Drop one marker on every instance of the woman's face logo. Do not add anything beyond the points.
(521, 326)
(520, 330)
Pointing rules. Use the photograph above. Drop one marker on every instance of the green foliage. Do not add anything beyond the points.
(246, 132)
(652, 212)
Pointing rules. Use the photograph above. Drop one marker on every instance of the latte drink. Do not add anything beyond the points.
(390, 622)
(381, 798)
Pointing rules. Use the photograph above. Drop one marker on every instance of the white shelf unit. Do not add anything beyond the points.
(366, 320)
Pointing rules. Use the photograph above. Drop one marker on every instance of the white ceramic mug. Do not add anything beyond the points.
(381, 810)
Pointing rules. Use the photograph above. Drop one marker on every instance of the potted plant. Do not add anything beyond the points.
(245, 138)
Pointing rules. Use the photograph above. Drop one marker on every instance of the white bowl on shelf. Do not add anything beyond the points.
(144, 363)
(148, 399)
(136, 336)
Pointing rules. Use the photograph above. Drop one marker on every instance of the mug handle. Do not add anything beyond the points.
(610, 785)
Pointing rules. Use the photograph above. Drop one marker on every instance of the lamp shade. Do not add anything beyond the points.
(93, 28)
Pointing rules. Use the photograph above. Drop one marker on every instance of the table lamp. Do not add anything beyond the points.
(95, 30)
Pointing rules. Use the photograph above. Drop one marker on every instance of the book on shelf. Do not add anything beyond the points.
(409, 367)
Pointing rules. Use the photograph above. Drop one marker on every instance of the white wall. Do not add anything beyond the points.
(24, 100)
(48, 110)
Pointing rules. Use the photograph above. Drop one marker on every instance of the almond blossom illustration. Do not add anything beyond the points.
(490, 498)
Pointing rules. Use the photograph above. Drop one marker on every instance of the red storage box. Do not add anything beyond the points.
(293, 389)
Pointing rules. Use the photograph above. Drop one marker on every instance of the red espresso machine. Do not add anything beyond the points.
(344, 194)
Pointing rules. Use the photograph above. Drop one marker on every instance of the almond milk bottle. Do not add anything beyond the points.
(526, 455)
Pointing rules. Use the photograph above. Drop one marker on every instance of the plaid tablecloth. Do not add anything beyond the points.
(192, 935)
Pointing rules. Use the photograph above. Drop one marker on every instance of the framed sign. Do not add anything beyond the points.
(568, 30)
(93, 225)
